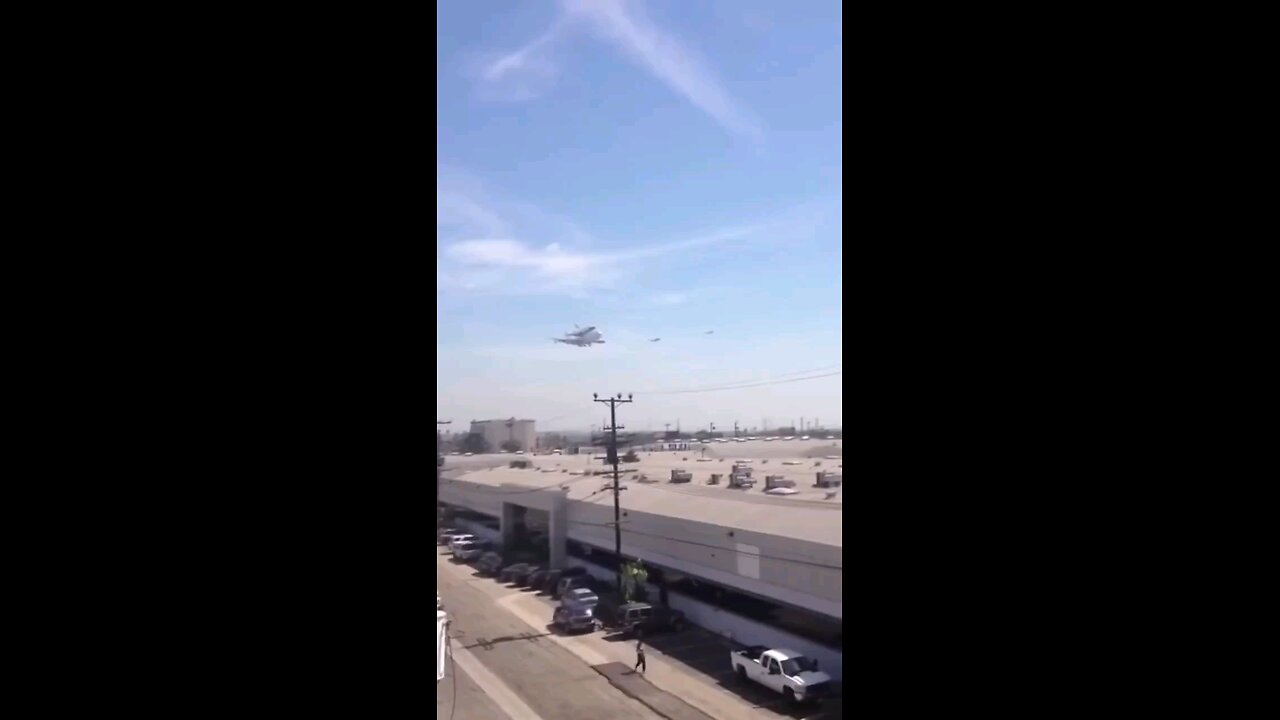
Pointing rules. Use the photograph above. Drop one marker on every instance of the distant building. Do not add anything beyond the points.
(497, 432)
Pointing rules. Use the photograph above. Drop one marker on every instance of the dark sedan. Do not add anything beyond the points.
(490, 563)
(539, 578)
(521, 577)
(510, 570)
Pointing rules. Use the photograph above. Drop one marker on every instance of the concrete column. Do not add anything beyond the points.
(558, 531)
(508, 524)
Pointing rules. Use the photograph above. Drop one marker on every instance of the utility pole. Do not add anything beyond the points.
(735, 428)
(613, 458)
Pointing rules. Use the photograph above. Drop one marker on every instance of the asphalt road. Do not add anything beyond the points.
(549, 679)
(472, 703)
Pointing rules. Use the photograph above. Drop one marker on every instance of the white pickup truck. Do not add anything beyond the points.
(785, 672)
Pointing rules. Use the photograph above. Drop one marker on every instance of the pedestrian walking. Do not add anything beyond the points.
(639, 657)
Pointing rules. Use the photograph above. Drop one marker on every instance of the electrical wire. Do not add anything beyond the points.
(740, 385)
(751, 385)
(713, 547)
(774, 377)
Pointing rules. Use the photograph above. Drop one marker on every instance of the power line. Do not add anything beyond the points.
(716, 546)
(752, 383)
(772, 377)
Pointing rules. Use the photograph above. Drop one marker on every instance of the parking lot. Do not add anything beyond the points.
(691, 664)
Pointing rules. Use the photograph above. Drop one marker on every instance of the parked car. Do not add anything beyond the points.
(785, 672)
(510, 570)
(471, 549)
(490, 563)
(539, 578)
(457, 547)
(631, 618)
(521, 577)
(446, 534)
(575, 618)
(580, 596)
(552, 579)
(456, 537)
(550, 582)
(573, 581)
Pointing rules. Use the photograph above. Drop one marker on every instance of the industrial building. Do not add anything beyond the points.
(758, 567)
(498, 432)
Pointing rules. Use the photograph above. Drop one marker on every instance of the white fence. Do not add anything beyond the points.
(442, 643)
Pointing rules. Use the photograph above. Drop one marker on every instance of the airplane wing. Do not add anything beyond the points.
(655, 340)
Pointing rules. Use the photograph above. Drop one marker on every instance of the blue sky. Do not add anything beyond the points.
(653, 168)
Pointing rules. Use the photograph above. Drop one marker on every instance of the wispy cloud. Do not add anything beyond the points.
(551, 262)
(514, 266)
(624, 24)
(457, 211)
(488, 246)
(530, 71)
(523, 74)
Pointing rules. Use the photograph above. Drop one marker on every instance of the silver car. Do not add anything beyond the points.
(469, 549)
(580, 596)
(460, 537)
(574, 617)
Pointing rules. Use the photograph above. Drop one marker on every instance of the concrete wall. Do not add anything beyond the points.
(785, 570)
(480, 531)
(732, 626)
(780, 569)
(750, 632)
(463, 494)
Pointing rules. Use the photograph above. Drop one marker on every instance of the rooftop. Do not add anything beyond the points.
(813, 514)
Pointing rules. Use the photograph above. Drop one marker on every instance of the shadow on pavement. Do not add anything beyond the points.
(487, 643)
(555, 630)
